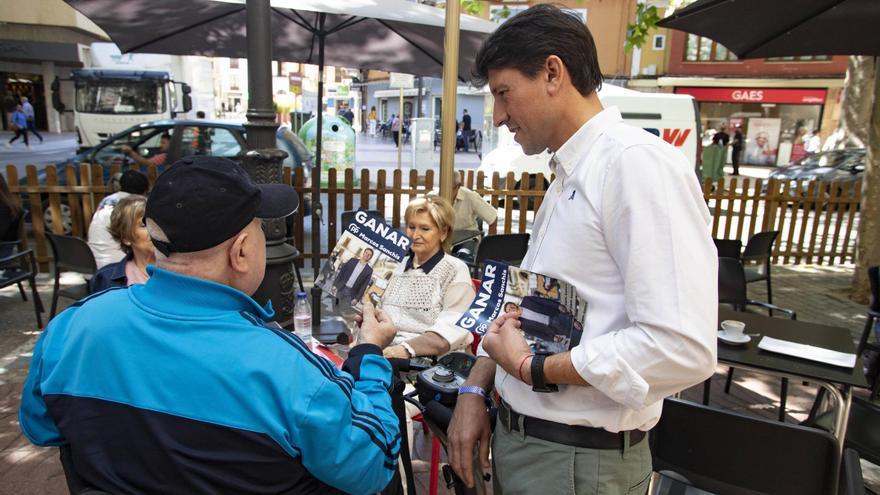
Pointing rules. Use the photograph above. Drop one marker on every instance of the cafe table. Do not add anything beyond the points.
(838, 381)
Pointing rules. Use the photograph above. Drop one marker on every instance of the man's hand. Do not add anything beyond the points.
(126, 149)
(505, 344)
(376, 327)
(469, 426)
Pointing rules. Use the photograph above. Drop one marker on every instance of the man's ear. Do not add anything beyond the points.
(554, 72)
(239, 255)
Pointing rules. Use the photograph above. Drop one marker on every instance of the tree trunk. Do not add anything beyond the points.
(868, 240)
(855, 108)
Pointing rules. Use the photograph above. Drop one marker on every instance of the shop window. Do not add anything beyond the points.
(700, 49)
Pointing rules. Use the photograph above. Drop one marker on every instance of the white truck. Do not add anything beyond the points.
(674, 118)
(120, 91)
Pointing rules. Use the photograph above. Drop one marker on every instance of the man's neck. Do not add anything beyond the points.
(576, 112)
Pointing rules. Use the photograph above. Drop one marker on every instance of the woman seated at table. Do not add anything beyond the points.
(127, 228)
(431, 289)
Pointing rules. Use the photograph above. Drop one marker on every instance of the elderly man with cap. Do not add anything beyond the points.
(181, 386)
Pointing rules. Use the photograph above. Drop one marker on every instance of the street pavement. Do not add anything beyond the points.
(55, 148)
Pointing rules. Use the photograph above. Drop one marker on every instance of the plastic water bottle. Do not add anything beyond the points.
(302, 318)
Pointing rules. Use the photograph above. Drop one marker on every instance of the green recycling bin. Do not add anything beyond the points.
(337, 145)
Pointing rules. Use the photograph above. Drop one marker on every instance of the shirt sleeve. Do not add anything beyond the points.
(656, 227)
(483, 209)
(33, 415)
(349, 436)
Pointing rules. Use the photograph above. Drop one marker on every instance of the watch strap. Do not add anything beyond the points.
(537, 369)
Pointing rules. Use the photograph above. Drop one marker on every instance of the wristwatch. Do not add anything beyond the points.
(538, 384)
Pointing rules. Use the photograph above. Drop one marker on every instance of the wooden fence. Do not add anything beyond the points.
(817, 221)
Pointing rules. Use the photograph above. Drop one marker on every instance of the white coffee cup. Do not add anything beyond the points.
(733, 328)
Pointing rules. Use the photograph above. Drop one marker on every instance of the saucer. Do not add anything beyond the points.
(727, 339)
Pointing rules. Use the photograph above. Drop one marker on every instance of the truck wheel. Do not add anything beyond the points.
(66, 218)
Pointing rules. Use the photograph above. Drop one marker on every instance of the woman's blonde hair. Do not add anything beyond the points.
(441, 213)
(126, 217)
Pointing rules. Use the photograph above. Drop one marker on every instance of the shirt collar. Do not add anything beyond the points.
(426, 266)
(172, 293)
(116, 271)
(570, 153)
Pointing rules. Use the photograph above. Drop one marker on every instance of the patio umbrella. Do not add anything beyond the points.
(780, 28)
(390, 35)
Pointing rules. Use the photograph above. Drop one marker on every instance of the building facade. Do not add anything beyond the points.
(39, 41)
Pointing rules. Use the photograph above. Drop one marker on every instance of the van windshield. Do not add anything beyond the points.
(115, 96)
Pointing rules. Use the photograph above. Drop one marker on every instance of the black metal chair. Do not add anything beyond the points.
(729, 453)
(18, 267)
(10, 242)
(756, 259)
(509, 248)
(732, 290)
(71, 254)
(729, 248)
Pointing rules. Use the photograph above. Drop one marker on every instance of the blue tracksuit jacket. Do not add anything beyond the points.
(178, 386)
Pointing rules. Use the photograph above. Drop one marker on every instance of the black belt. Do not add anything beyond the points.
(576, 436)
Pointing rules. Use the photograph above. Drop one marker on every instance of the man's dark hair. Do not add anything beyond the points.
(526, 40)
(200, 114)
(134, 182)
(165, 135)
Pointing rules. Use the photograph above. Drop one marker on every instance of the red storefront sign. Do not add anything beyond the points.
(757, 95)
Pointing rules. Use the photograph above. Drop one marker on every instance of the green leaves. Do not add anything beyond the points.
(637, 32)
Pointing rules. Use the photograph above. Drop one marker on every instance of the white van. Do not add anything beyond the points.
(672, 117)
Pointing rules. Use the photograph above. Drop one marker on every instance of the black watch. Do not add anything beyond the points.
(538, 384)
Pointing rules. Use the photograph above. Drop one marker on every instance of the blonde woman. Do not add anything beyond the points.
(431, 289)
(127, 228)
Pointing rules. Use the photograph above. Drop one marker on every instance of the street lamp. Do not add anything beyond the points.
(263, 160)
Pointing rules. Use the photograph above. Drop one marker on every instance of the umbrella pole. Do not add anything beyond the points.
(450, 87)
(317, 214)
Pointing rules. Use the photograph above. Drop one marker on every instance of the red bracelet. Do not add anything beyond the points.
(519, 368)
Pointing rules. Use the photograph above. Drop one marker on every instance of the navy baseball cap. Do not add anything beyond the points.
(201, 201)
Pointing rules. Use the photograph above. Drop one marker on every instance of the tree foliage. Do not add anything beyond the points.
(647, 18)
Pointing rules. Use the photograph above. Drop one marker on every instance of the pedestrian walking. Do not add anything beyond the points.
(736, 148)
(31, 117)
(18, 124)
(395, 130)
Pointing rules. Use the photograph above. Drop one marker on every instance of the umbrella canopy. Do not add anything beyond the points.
(390, 35)
(762, 28)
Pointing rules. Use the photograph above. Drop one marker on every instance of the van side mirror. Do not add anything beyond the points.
(858, 169)
(57, 104)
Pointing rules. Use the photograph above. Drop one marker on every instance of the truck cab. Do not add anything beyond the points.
(107, 101)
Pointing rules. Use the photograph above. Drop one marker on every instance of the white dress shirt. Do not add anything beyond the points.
(105, 249)
(626, 224)
(469, 205)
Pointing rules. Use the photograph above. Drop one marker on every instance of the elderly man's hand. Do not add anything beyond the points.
(505, 344)
(376, 327)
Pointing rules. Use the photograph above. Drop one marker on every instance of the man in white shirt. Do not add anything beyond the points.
(102, 244)
(625, 223)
